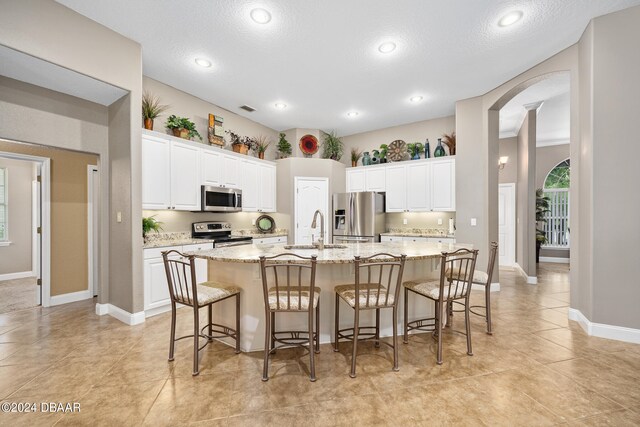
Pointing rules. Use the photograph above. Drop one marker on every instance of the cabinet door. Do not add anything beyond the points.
(232, 169)
(212, 168)
(355, 180)
(443, 185)
(396, 188)
(250, 190)
(267, 188)
(156, 292)
(185, 177)
(375, 179)
(418, 187)
(156, 173)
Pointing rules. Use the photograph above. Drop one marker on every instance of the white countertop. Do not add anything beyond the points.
(252, 253)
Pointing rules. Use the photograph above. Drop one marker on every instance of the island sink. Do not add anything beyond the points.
(329, 246)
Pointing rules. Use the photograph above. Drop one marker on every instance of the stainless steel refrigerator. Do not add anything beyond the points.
(358, 217)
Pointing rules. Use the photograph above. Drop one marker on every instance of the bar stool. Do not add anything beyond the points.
(369, 293)
(301, 296)
(484, 279)
(184, 289)
(452, 286)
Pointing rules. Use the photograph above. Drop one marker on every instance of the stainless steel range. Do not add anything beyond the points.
(219, 232)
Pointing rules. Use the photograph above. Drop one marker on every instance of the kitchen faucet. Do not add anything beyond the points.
(320, 242)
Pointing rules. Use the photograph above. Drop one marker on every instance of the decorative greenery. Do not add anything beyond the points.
(284, 147)
(151, 107)
(356, 154)
(261, 144)
(150, 224)
(560, 176)
(174, 122)
(332, 148)
(542, 208)
(450, 141)
(415, 148)
(383, 151)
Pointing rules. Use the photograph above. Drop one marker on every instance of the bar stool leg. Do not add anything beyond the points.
(356, 331)
(210, 317)
(237, 323)
(273, 332)
(406, 316)
(440, 308)
(487, 301)
(395, 339)
(337, 324)
(467, 324)
(312, 364)
(172, 343)
(196, 339)
(267, 339)
(377, 341)
(317, 349)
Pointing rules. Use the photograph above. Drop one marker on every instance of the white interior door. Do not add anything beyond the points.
(36, 243)
(93, 208)
(310, 194)
(507, 224)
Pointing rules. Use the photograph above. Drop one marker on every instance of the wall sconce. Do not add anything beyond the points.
(503, 161)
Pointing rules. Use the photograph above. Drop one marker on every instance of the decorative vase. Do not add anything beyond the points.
(354, 163)
(375, 159)
(383, 160)
(148, 124)
(427, 149)
(416, 156)
(240, 148)
(439, 151)
(261, 155)
(366, 159)
(181, 133)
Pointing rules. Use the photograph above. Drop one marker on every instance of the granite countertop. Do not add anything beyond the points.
(251, 253)
(418, 232)
(256, 234)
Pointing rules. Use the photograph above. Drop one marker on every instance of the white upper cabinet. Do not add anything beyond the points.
(418, 187)
(375, 179)
(220, 170)
(232, 167)
(258, 186)
(396, 178)
(156, 169)
(185, 176)
(443, 185)
(355, 180)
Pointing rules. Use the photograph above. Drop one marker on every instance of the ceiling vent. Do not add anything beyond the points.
(248, 108)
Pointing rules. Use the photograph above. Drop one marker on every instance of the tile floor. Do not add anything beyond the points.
(537, 369)
(17, 294)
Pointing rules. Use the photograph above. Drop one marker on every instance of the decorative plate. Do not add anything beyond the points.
(265, 224)
(309, 145)
(397, 151)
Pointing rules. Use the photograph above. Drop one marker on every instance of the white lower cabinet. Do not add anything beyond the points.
(156, 289)
(390, 238)
(415, 239)
(441, 239)
(270, 240)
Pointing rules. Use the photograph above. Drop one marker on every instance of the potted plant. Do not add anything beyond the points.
(150, 224)
(542, 207)
(383, 153)
(261, 145)
(415, 149)
(151, 109)
(450, 141)
(355, 156)
(332, 146)
(240, 144)
(182, 127)
(284, 147)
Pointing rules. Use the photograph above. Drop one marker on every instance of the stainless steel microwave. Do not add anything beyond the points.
(221, 199)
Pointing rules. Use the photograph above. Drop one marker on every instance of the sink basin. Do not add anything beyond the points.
(327, 246)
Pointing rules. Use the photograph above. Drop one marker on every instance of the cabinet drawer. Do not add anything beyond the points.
(415, 239)
(391, 238)
(197, 247)
(442, 239)
(150, 253)
(270, 240)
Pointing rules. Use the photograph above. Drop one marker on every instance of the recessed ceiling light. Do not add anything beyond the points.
(510, 18)
(387, 47)
(352, 114)
(260, 16)
(203, 62)
(415, 99)
(280, 105)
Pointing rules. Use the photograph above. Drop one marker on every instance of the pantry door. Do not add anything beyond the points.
(311, 193)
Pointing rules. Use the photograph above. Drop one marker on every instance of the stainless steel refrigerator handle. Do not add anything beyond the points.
(351, 215)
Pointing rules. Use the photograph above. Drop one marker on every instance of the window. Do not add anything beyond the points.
(3, 204)
(556, 187)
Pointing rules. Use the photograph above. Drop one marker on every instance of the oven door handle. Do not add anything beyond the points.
(226, 245)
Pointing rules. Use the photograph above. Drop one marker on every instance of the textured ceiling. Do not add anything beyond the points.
(20, 66)
(553, 121)
(321, 57)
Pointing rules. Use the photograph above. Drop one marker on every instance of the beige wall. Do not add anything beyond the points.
(525, 196)
(412, 132)
(419, 220)
(184, 105)
(17, 257)
(49, 31)
(69, 260)
(509, 147)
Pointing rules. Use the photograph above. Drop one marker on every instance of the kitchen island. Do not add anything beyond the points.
(239, 265)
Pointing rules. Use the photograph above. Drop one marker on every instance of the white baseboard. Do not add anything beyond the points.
(532, 280)
(70, 297)
(557, 260)
(612, 332)
(19, 275)
(120, 314)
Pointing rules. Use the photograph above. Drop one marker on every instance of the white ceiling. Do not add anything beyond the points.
(321, 57)
(553, 120)
(26, 68)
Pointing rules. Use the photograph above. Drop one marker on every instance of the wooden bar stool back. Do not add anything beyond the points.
(288, 283)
